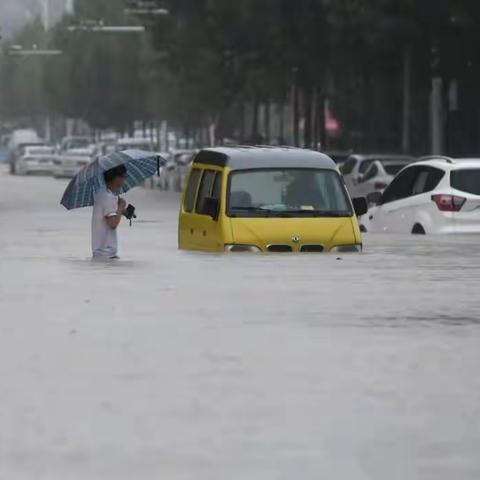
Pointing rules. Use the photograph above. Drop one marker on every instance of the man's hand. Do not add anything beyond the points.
(114, 221)
(122, 205)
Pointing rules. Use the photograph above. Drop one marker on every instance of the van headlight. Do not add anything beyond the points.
(347, 249)
(241, 248)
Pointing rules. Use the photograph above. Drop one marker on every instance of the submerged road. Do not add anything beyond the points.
(184, 366)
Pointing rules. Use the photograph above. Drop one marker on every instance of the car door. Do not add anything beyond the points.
(393, 215)
(348, 172)
(209, 229)
(366, 184)
(422, 209)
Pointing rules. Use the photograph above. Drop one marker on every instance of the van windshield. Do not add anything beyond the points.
(287, 192)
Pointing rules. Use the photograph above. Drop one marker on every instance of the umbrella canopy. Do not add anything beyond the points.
(140, 166)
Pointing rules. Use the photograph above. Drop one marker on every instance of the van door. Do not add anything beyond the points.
(210, 236)
(188, 237)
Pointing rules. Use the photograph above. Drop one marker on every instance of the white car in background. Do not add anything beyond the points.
(436, 195)
(17, 143)
(378, 176)
(74, 142)
(37, 160)
(134, 143)
(68, 164)
(356, 165)
(174, 174)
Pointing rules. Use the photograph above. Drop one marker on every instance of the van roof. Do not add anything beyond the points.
(245, 158)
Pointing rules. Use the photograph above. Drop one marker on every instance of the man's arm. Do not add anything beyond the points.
(113, 220)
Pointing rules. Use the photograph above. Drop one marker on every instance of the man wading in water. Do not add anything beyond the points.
(107, 214)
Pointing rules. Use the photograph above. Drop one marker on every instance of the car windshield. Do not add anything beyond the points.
(288, 192)
(78, 143)
(466, 180)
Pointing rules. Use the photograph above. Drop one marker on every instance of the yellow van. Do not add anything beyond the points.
(268, 199)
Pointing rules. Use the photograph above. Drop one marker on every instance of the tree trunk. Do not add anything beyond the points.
(296, 111)
(267, 123)
(281, 132)
(407, 84)
(256, 108)
(308, 117)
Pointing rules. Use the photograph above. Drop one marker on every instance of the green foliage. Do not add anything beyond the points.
(209, 58)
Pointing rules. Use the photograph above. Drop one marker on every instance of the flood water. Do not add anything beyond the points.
(184, 366)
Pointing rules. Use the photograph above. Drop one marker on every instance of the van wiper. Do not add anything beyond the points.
(267, 211)
(320, 213)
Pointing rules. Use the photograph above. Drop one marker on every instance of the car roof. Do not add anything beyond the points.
(73, 156)
(398, 161)
(38, 155)
(246, 157)
(382, 156)
(134, 141)
(446, 163)
(39, 148)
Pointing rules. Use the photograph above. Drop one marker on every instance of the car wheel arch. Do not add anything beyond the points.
(418, 229)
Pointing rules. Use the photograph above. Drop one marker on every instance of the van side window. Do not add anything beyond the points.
(206, 187)
(217, 186)
(191, 190)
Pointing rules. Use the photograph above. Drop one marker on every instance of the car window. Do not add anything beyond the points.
(434, 177)
(206, 187)
(401, 186)
(393, 168)
(191, 191)
(364, 165)
(466, 180)
(420, 182)
(348, 166)
(372, 172)
(426, 180)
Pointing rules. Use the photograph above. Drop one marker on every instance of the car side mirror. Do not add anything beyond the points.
(211, 207)
(374, 198)
(360, 206)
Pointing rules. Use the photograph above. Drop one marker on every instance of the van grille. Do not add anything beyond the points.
(279, 248)
(312, 248)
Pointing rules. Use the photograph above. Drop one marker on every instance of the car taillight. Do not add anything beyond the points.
(380, 186)
(449, 203)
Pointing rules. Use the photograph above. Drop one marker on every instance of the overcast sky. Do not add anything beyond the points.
(14, 13)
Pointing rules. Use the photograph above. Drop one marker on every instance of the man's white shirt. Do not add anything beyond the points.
(104, 238)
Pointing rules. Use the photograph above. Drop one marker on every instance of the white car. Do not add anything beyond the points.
(355, 167)
(38, 159)
(74, 142)
(174, 175)
(379, 176)
(134, 144)
(70, 163)
(17, 143)
(437, 195)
